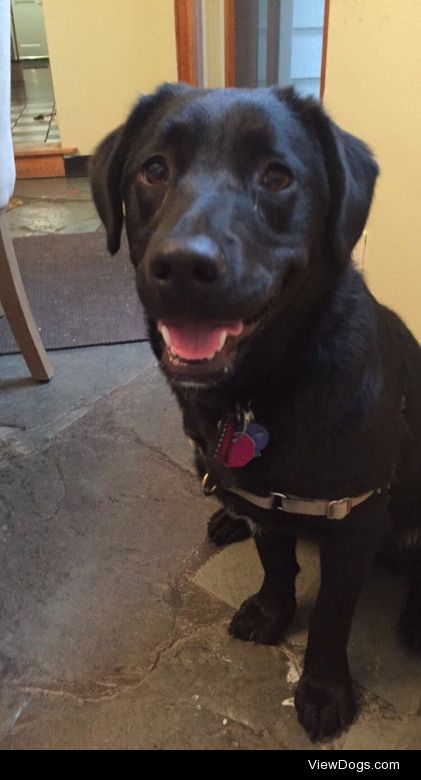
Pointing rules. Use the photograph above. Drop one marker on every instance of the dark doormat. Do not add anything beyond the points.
(79, 295)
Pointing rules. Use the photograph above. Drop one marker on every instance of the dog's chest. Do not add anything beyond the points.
(308, 452)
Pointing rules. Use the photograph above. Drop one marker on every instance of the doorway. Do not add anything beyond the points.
(34, 122)
(279, 42)
(253, 43)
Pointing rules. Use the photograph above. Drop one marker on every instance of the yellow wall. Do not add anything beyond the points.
(373, 89)
(213, 43)
(103, 54)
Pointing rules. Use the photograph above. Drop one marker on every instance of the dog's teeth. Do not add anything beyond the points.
(166, 335)
(222, 340)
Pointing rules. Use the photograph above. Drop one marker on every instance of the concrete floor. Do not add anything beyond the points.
(114, 607)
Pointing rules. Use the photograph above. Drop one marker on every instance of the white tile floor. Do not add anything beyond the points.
(33, 110)
(34, 124)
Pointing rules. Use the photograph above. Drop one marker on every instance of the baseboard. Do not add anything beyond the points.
(77, 165)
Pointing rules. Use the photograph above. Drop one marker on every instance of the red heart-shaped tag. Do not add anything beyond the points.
(242, 451)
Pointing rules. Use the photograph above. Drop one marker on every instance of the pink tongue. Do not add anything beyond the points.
(198, 340)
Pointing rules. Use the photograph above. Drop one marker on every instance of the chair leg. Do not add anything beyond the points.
(17, 310)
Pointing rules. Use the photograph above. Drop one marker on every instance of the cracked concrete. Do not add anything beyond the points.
(113, 606)
(28, 419)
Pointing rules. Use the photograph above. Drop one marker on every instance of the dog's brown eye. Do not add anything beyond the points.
(155, 170)
(276, 177)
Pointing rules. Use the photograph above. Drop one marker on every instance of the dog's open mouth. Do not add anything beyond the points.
(195, 349)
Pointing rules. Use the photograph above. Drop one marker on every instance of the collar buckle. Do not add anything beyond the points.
(278, 498)
(338, 510)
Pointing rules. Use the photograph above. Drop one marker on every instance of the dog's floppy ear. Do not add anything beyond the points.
(351, 170)
(109, 159)
(105, 174)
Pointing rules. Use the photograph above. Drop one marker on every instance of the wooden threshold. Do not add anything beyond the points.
(41, 162)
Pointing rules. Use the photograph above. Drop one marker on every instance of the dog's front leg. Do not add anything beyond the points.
(324, 699)
(265, 616)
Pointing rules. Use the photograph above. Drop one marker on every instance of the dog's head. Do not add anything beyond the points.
(238, 205)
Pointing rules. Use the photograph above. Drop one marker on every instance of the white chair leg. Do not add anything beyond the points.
(17, 310)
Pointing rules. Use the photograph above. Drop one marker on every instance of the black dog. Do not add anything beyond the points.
(242, 208)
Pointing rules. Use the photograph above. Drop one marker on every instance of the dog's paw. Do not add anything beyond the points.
(257, 622)
(225, 529)
(410, 627)
(324, 709)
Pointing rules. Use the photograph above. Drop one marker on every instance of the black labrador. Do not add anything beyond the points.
(301, 392)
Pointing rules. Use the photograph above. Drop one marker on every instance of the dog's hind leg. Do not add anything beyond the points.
(410, 622)
(404, 551)
(265, 616)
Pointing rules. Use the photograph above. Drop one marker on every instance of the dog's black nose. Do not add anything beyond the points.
(197, 259)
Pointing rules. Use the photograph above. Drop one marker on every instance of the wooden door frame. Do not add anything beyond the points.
(229, 42)
(186, 13)
(188, 41)
(324, 49)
